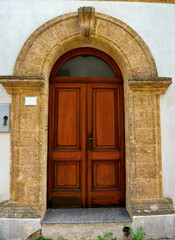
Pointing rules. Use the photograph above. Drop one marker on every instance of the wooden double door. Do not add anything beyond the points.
(86, 144)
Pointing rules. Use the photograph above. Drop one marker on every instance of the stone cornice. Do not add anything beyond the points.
(14, 82)
(157, 84)
(11, 209)
(157, 206)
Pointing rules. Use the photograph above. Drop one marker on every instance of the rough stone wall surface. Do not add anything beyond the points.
(61, 34)
(145, 170)
(145, 161)
(83, 231)
(28, 137)
(27, 140)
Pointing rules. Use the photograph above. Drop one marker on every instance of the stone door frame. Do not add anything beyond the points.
(142, 90)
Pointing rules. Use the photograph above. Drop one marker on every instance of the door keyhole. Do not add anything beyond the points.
(5, 120)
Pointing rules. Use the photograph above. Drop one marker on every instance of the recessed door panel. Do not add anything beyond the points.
(67, 174)
(105, 174)
(67, 126)
(105, 118)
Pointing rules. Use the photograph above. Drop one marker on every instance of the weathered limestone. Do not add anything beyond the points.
(35, 235)
(145, 145)
(142, 89)
(83, 231)
(10, 209)
(87, 20)
(27, 140)
(64, 33)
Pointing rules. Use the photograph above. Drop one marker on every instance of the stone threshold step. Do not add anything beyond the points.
(86, 215)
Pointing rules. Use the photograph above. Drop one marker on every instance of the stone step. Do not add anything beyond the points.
(81, 224)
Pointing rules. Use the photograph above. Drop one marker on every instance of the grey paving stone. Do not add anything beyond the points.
(88, 215)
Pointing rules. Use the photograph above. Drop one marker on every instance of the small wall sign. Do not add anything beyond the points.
(30, 101)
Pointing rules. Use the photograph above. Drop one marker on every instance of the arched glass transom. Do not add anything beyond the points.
(85, 65)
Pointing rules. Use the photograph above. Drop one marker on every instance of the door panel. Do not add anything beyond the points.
(81, 176)
(67, 145)
(67, 175)
(104, 160)
(67, 118)
(105, 112)
(105, 174)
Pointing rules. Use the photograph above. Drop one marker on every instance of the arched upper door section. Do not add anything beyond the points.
(86, 62)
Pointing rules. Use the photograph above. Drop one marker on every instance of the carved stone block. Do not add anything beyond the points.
(87, 20)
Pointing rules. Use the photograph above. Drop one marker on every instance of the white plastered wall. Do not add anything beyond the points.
(153, 22)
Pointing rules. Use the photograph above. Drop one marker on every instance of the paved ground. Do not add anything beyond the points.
(86, 215)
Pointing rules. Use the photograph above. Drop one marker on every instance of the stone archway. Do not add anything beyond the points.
(142, 114)
(66, 32)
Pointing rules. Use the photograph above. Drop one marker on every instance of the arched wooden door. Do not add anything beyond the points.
(86, 131)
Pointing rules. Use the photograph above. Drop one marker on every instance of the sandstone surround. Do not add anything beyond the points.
(142, 90)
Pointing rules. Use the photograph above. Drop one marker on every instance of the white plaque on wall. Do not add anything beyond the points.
(30, 101)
